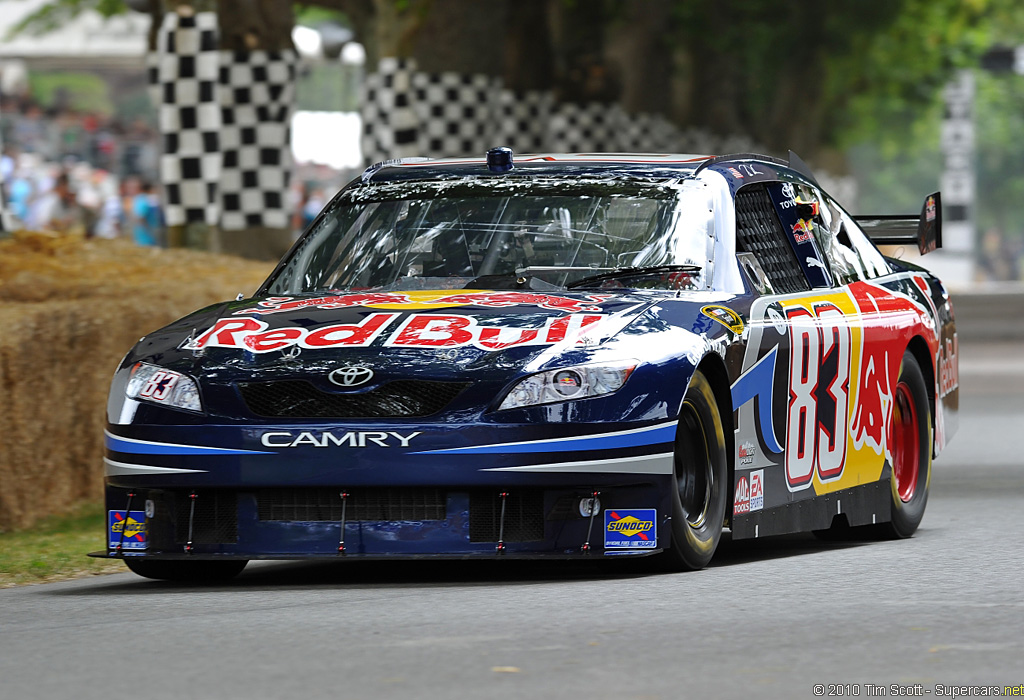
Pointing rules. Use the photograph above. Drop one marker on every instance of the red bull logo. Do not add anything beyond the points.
(424, 300)
(274, 305)
(417, 331)
(802, 231)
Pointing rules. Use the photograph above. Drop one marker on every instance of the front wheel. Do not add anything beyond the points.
(199, 571)
(701, 472)
(911, 450)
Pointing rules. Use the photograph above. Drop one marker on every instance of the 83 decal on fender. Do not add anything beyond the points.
(819, 385)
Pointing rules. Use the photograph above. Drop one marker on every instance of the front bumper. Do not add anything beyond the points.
(283, 492)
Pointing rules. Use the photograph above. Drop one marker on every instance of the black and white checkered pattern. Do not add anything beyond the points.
(390, 124)
(190, 117)
(457, 113)
(525, 120)
(225, 119)
(448, 114)
(257, 92)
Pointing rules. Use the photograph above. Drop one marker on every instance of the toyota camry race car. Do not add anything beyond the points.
(557, 356)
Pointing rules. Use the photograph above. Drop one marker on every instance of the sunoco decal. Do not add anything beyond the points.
(134, 529)
(630, 529)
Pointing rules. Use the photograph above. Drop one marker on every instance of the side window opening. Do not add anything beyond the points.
(759, 232)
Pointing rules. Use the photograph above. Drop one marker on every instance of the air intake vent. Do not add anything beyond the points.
(524, 516)
(759, 232)
(215, 520)
(371, 504)
(300, 399)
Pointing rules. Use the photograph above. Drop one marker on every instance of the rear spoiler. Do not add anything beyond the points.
(924, 230)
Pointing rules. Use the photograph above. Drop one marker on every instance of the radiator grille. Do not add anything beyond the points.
(759, 232)
(300, 399)
(524, 516)
(374, 504)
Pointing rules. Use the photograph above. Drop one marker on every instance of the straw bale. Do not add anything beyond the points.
(69, 310)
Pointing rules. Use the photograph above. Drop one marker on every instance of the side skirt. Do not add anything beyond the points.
(862, 505)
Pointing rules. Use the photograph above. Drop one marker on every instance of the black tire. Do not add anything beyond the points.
(199, 571)
(911, 450)
(701, 475)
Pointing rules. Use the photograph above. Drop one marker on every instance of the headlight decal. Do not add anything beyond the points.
(638, 437)
(164, 387)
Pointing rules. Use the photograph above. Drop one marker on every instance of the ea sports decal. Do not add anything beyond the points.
(630, 529)
(130, 533)
(757, 490)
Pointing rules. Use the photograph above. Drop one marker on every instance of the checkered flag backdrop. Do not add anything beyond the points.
(409, 113)
(190, 117)
(225, 119)
(257, 91)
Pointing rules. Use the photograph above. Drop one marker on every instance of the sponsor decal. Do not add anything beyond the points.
(422, 330)
(159, 386)
(134, 528)
(630, 529)
(429, 300)
(819, 383)
(802, 231)
(327, 438)
(350, 375)
(790, 196)
(746, 453)
(741, 503)
(929, 209)
(949, 368)
(726, 316)
(756, 490)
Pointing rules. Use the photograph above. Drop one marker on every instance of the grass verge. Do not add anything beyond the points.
(55, 548)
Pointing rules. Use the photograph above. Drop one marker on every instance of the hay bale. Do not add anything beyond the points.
(69, 310)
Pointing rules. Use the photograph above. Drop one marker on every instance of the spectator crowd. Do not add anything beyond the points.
(66, 171)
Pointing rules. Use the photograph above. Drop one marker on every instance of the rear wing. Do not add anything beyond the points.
(924, 230)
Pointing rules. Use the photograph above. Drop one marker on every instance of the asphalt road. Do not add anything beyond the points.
(768, 619)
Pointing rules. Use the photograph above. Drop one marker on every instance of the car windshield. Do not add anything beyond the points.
(447, 235)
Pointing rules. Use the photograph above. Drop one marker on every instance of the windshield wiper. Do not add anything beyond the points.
(632, 272)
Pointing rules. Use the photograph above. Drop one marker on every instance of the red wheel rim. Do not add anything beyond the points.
(907, 448)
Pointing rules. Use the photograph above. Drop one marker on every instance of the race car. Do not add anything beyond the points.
(602, 356)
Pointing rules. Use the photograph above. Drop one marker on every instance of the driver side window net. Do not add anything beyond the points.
(758, 231)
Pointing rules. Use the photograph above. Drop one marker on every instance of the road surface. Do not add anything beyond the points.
(769, 619)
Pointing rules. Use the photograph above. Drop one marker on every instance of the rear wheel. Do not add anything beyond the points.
(200, 571)
(701, 472)
(911, 450)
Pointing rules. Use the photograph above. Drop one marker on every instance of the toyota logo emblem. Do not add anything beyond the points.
(350, 376)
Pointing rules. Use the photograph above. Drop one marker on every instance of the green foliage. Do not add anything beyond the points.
(999, 129)
(55, 549)
(82, 92)
(60, 12)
